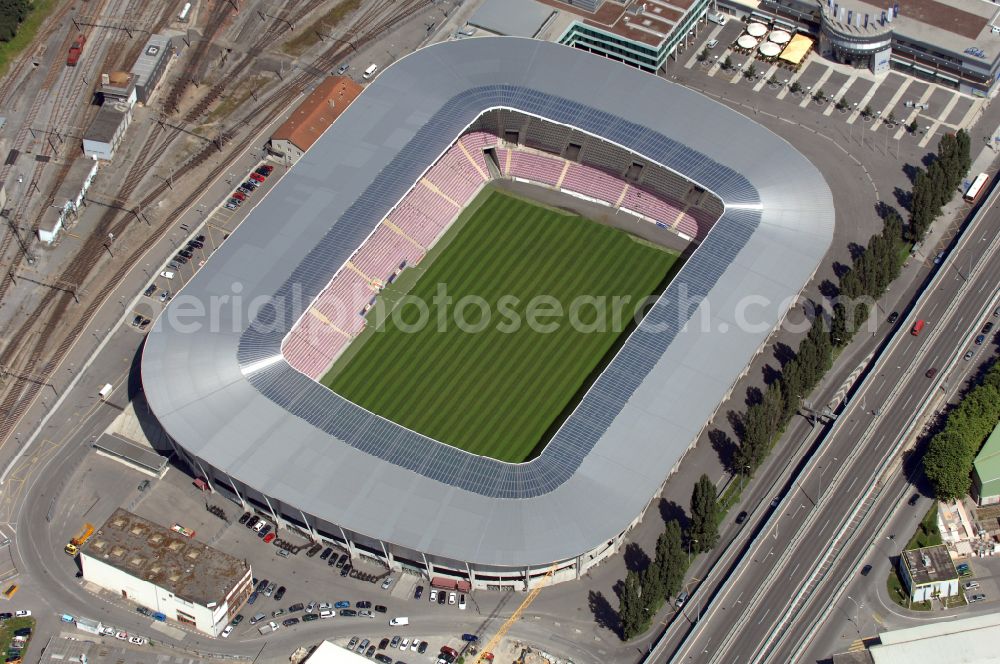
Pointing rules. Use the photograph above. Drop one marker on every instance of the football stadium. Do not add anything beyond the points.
(476, 327)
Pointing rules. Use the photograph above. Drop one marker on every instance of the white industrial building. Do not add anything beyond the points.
(68, 200)
(969, 640)
(165, 571)
(928, 573)
(330, 653)
(107, 130)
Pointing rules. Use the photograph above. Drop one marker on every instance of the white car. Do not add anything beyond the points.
(121, 635)
(324, 605)
(108, 631)
(23, 613)
(227, 631)
(327, 613)
(404, 644)
(388, 582)
(433, 597)
(461, 602)
(137, 640)
(415, 644)
(451, 598)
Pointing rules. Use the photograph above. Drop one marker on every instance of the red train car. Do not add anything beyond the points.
(75, 51)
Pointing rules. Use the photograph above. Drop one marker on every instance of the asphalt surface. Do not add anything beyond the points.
(766, 609)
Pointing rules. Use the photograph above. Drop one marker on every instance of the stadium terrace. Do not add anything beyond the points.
(244, 410)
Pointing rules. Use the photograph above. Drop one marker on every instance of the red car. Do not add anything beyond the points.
(257, 177)
(239, 195)
(265, 169)
(268, 538)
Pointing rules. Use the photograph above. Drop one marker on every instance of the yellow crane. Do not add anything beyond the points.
(74, 544)
(487, 652)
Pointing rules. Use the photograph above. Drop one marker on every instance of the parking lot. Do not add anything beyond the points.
(201, 242)
(896, 97)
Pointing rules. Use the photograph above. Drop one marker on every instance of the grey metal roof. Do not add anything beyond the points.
(222, 391)
(157, 47)
(514, 18)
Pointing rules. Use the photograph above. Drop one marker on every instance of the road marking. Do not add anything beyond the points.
(892, 102)
(840, 93)
(816, 88)
(852, 484)
(759, 85)
(864, 102)
(766, 611)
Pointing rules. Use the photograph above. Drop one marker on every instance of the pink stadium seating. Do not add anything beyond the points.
(381, 255)
(343, 300)
(590, 181)
(537, 167)
(650, 205)
(703, 220)
(455, 176)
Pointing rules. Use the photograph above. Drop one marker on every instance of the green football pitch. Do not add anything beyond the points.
(495, 385)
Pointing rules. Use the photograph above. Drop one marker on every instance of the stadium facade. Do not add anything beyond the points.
(269, 437)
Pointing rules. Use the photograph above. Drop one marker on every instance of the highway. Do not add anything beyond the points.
(813, 538)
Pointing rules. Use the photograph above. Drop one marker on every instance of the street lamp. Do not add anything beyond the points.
(857, 621)
(821, 470)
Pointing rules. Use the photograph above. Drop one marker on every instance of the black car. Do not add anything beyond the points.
(363, 604)
(313, 550)
(384, 659)
(382, 644)
(893, 317)
(370, 651)
(245, 518)
(987, 328)
(180, 259)
(298, 606)
(196, 244)
(237, 620)
(348, 613)
(288, 622)
(143, 610)
(345, 570)
(422, 648)
(913, 499)
(263, 582)
(418, 593)
(136, 321)
(252, 521)
(342, 560)
(149, 290)
(6, 616)
(741, 517)
(185, 253)
(865, 570)
(262, 533)
(281, 593)
(381, 609)
(309, 617)
(326, 553)
(442, 597)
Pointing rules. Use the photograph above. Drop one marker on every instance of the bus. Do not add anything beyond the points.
(977, 187)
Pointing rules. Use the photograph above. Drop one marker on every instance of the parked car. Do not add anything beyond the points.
(239, 195)
(185, 253)
(256, 177)
(311, 607)
(149, 290)
(711, 43)
(442, 598)
(342, 68)
(263, 532)
(741, 517)
(681, 600)
(970, 585)
(977, 598)
(418, 592)
(980, 339)
(366, 613)
(345, 570)
(361, 646)
(137, 640)
(251, 522)
(987, 327)
(423, 647)
(371, 651)
(461, 602)
(452, 598)
(281, 593)
(327, 613)
(136, 321)
(257, 618)
(232, 204)
(342, 605)
(380, 609)
(269, 538)
(196, 244)
(404, 644)
(164, 296)
(433, 595)
(326, 553)
(342, 560)
(177, 259)
(252, 598)
(257, 527)
(309, 617)
(865, 570)
(384, 659)
(227, 631)
(471, 638)
(348, 613)
(244, 518)
(353, 642)
(283, 553)
(913, 499)
(270, 590)
(893, 317)
(968, 355)
(288, 622)
(388, 582)
(237, 620)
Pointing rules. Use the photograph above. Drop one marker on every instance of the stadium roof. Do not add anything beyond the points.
(222, 390)
(514, 18)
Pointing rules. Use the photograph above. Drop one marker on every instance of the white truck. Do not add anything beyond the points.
(106, 391)
(268, 628)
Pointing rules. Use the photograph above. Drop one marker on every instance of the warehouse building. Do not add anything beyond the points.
(928, 573)
(986, 471)
(107, 130)
(150, 65)
(954, 44)
(68, 200)
(118, 86)
(313, 116)
(165, 571)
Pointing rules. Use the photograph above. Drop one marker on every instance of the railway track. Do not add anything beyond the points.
(54, 303)
(216, 18)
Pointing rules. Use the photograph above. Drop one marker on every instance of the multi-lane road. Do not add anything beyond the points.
(812, 541)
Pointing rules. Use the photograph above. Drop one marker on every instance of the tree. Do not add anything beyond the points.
(727, 63)
(912, 127)
(751, 72)
(867, 111)
(861, 312)
(840, 327)
(794, 87)
(703, 55)
(704, 515)
(819, 96)
(842, 104)
(891, 118)
(670, 562)
(630, 608)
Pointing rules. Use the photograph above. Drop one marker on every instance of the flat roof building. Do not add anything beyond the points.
(928, 573)
(313, 116)
(968, 640)
(512, 18)
(986, 471)
(105, 133)
(165, 571)
(640, 33)
(955, 44)
(150, 65)
(68, 200)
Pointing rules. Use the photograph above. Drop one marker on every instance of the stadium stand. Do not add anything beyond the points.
(419, 219)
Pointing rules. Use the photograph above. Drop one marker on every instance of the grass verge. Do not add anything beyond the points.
(308, 36)
(7, 629)
(927, 533)
(9, 51)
